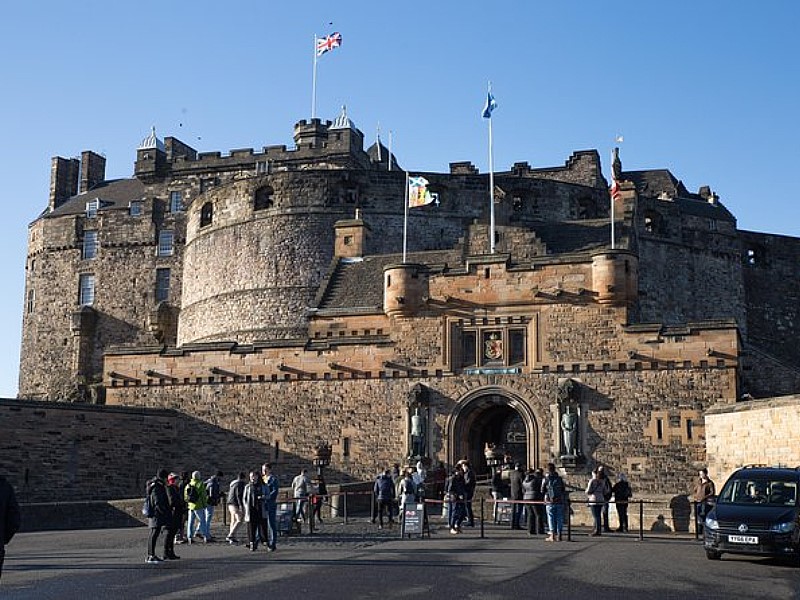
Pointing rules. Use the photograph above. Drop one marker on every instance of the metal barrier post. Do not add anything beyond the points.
(344, 506)
(696, 520)
(641, 520)
(483, 501)
(568, 510)
(310, 509)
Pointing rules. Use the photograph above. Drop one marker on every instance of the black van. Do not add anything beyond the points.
(756, 513)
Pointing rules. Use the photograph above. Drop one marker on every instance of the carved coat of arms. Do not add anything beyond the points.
(493, 347)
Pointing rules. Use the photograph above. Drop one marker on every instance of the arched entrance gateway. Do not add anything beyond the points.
(493, 415)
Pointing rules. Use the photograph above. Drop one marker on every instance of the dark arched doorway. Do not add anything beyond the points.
(493, 418)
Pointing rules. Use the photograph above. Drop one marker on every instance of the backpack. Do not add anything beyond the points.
(147, 505)
(554, 487)
(214, 494)
(191, 494)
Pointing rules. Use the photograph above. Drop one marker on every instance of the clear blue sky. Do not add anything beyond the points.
(709, 90)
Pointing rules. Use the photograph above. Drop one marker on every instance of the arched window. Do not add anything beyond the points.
(206, 214)
(263, 198)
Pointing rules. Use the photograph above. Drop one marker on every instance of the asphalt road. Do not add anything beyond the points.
(358, 561)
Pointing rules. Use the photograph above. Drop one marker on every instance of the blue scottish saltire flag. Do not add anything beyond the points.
(491, 104)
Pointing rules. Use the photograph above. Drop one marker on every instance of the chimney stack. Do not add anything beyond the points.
(93, 170)
(64, 174)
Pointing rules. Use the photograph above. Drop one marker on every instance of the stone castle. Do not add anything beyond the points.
(267, 294)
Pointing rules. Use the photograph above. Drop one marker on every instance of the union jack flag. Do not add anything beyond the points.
(328, 43)
(616, 194)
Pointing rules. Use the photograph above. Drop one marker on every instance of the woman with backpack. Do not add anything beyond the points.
(595, 494)
(622, 494)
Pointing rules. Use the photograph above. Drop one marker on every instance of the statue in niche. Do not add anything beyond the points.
(568, 392)
(417, 433)
(569, 429)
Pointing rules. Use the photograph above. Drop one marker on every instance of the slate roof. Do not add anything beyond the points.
(113, 194)
(359, 284)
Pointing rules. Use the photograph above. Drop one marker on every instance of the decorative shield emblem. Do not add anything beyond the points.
(493, 347)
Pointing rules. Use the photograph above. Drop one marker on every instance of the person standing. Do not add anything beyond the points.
(595, 491)
(531, 492)
(196, 500)
(269, 492)
(160, 515)
(252, 504)
(601, 472)
(456, 492)
(10, 517)
(622, 495)
(300, 489)
(384, 494)
(538, 496)
(320, 497)
(177, 507)
(180, 536)
(704, 492)
(213, 495)
(554, 496)
(515, 477)
(235, 507)
(470, 483)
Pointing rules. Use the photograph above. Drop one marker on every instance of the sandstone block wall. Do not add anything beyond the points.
(755, 432)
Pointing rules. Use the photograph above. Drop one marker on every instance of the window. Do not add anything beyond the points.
(206, 214)
(92, 207)
(162, 285)
(86, 290)
(136, 208)
(263, 198)
(175, 202)
(262, 167)
(30, 302)
(489, 346)
(207, 184)
(165, 243)
(89, 244)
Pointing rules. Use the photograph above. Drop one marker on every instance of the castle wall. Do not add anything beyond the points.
(689, 267)
(769, 427)
(771, 272)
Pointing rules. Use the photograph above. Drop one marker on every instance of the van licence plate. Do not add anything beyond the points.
(743, 539)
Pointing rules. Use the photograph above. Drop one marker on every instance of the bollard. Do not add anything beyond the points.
(345, 508)
(310, 509)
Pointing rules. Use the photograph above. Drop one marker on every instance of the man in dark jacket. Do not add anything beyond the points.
(384, 494)
(10, 518)
(515, 477)
(177, 507)
(160, 513)
(470, 483)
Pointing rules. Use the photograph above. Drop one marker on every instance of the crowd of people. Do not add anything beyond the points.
(183, 508)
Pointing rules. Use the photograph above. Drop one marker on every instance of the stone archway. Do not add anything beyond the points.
(493, 415)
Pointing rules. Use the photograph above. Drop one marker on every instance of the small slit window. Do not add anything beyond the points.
(206, 214)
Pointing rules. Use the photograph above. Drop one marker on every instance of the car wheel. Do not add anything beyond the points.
(713, 555)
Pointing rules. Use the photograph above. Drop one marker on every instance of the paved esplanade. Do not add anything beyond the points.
(359, 562)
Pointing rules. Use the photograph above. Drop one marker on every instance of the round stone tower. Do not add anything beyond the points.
(256, 252)
(405, 287)
(615, 277)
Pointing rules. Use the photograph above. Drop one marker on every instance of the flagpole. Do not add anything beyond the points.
(314, 82)
(612, 201)
(390, 152)
(405, 219)
(491, 185)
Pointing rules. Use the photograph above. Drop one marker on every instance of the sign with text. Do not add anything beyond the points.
(413, 518)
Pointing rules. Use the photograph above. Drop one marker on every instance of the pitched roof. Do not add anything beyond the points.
(114, 194)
